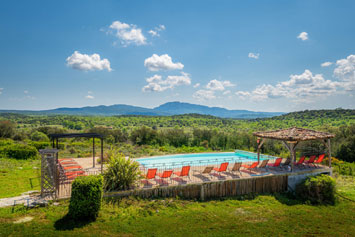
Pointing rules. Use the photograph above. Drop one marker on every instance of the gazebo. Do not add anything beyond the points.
(56, 137)
(291, 137)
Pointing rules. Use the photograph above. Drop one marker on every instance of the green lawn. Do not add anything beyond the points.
(18, 176)
(263, 215)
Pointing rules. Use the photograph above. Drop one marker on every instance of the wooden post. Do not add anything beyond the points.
(292, 151)
(102, 154)
(260, 143)
(329, 154)
(93, 152)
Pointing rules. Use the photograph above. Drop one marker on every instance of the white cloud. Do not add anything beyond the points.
(155, 32)
(254, 55)
(216, 85)
(326, 64)
(204, 95)
(303, 87)
(85, 62)
(162, 62)
(1, 89)
(345, 71)
(90, 97)
(242, 94)
(303, 36)
(25, 92)
(196, 85)
(127, 33)
(226, 92)
(157, 84)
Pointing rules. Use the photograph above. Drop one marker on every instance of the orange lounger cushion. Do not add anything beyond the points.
(72, 167)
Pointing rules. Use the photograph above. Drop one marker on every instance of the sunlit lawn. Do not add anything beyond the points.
(18, 176)
(264, 215)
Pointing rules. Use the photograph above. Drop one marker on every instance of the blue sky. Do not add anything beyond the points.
(256, 55)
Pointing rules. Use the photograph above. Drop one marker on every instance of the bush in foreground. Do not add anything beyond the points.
(86, 196)
(121, 173)
(318, 189)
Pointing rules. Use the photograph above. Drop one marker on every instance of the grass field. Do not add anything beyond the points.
(263, 215)
(18, 176)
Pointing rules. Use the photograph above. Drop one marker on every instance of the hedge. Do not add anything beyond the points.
(86, 196)
(318, 189)
(19, 151)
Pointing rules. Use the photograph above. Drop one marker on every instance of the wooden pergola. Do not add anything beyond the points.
(292, 136)
(55, 138)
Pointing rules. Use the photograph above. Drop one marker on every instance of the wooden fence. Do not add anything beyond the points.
(219, 189)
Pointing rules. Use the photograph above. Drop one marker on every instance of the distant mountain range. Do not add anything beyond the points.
(170, 108)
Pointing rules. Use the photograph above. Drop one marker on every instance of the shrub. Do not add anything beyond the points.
(40, 145)
(19, 151)
(39, 136)
(318, 189)
(121, 173)
(86, 196)
(7, 129)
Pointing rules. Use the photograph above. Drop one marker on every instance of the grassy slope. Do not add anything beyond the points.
(16, 176)
(264, 215)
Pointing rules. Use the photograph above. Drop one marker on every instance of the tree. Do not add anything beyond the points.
(7, 129)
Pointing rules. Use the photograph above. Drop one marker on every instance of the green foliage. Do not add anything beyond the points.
(19, 151)
(86, 197)
(318, 189)
(7, 129)
(121, 173)
(342, 167)
(39, 137)
(40, 145)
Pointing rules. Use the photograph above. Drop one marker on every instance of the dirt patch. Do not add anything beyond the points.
(24, 219)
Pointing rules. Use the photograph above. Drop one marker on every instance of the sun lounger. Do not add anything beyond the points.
(300, 161)
(236, 168)
(206, 171)
(319, 160)
(185, 170)
(286, 163)
(276, 164)
(251, 167)
(310, 161)
(151, 173)
(263, 164)
(222, 168)
(166, 174)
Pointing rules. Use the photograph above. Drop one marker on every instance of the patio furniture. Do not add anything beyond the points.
(300, 161)
(263, 164)
(222, 168)
(151, 173)
(166, 174)
(276, 164)
(310, 161)
(251, 167)
(286, 163)
(319, 160)
(207, 170)
(236, 168)
(185, 170)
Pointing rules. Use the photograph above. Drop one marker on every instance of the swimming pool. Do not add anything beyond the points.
(175, 161)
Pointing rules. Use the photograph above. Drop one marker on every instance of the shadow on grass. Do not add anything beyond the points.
(68, 223)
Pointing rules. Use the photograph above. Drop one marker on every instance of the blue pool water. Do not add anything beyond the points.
(175, 161)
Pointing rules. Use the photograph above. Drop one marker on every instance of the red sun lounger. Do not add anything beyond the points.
(320, 159)
(184, 172)
(252, 166)
(166, 174)
(276, 164)
(310, 161)
(300, 161)
(151, 173)
(72, 167)
(222, 168)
